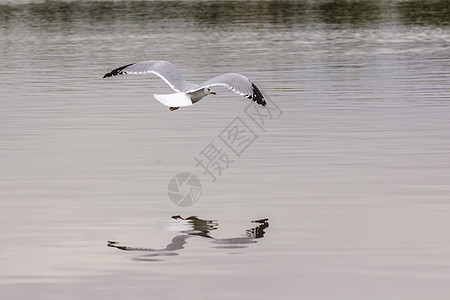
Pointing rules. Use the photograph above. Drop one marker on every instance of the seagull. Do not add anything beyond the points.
(189, 93)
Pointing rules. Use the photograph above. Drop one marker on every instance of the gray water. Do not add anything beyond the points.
(342, 193)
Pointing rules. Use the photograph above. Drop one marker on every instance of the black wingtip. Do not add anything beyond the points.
(257, 96)
(115, 72)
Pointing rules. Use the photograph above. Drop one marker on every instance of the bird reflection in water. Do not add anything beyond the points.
(191, 227)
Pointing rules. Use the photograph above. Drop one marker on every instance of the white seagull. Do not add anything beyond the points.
(189, 93)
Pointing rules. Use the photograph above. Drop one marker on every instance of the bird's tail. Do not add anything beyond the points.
(174, 100)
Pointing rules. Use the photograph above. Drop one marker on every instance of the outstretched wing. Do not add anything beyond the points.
(164, 69)
(237, 83)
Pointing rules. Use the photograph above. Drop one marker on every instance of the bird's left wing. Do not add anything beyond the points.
(164, 69)
(237, 83)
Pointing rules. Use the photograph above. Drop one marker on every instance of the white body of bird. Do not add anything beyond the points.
(174, 100)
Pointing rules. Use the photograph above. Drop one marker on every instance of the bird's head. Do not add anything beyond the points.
(208, 91)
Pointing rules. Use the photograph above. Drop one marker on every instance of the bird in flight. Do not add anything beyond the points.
(189, 93)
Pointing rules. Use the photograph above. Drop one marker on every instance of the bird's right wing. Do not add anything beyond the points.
(237, 83)
(164, 69)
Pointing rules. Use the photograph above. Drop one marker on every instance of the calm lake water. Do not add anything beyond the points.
(341, 190)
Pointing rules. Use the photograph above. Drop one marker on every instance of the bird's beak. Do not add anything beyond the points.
(214, 93)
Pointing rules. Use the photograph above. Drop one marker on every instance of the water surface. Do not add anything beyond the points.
(351, 172)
